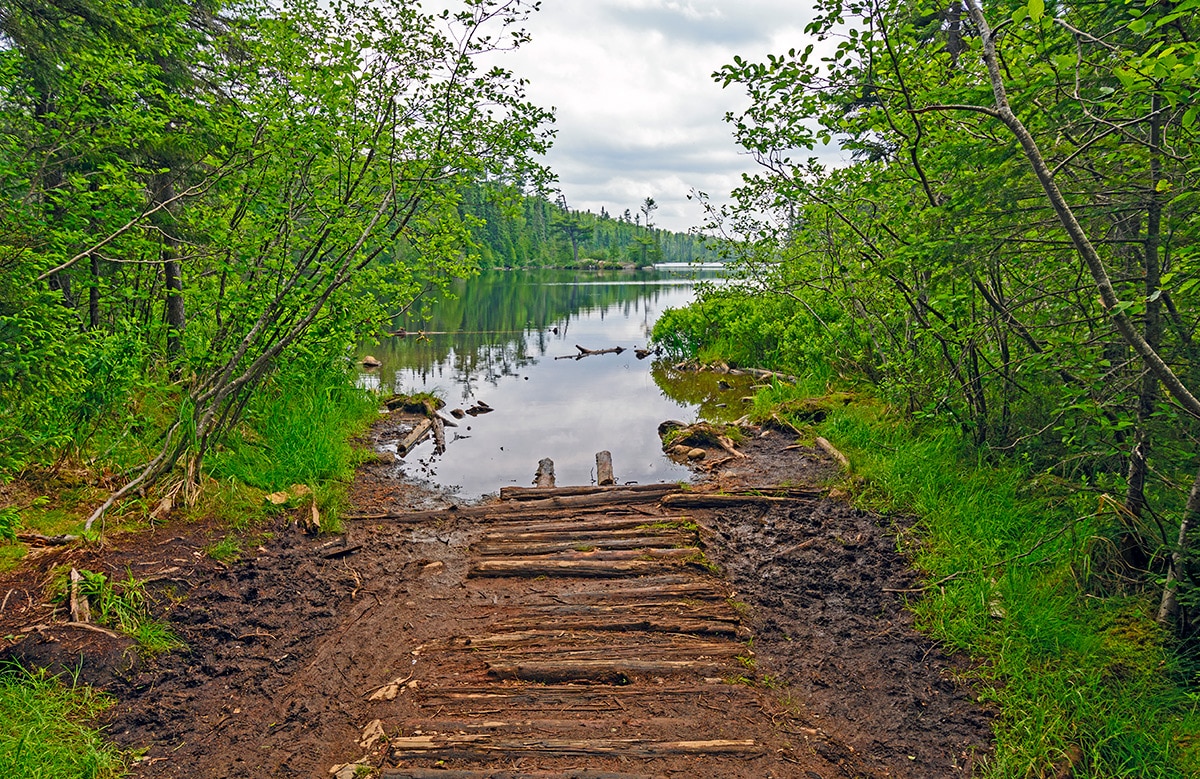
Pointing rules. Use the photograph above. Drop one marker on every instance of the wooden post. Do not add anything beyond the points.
(604, 469)
(545, 473)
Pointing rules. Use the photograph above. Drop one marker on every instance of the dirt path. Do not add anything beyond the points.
(633, 635)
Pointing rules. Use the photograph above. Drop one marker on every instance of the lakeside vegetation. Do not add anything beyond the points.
(1004, 277)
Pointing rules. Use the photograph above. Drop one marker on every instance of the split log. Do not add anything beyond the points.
(544, 477)
(535, 567)
(621, 623)
(708, 501)
(479, 746)
(534, 493)
(450, 773)
(603, 671)
(525, 510)
(598, 541)
(832, 451)
(414, 437)
(582, 526)
(604, 469)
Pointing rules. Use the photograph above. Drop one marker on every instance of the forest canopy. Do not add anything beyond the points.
(194, 191)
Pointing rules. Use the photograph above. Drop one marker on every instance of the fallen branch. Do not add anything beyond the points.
(833, 452)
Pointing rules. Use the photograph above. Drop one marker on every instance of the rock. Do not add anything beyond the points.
(458, 413)
(669, 426)
(372, 733)
(436, 565)
(696, 454)
(370, 362)
(679, 450)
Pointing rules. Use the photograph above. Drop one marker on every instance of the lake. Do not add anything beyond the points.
(508, 338)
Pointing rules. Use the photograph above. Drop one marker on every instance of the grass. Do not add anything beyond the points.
(1071, 672)
(44, 729)
(124, 607)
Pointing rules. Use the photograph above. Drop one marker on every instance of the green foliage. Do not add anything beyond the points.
(227, 550)
(125, 607)
(10, 523)
(299, 428)
(45, 729)
(1011, 556)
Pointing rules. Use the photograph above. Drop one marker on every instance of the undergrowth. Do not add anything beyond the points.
(44, 731)
(1011, 561)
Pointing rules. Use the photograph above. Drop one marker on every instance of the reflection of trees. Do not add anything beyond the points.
(702, 388)
(498, 323)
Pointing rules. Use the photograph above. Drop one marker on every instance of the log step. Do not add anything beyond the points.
(535, 566)
(483, 746)
(580, 532)
(449, 773)
(600, 671)
(664, 623)
(567, 542)
(586, 641)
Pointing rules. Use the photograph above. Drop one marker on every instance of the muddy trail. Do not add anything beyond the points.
(740, 628)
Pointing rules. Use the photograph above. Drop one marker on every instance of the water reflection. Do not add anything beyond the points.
(495, 339)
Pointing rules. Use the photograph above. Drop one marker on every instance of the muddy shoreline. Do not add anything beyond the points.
(285, 647)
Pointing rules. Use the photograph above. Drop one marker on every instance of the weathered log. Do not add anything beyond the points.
(534, 493)
(483, 745)
(833, 452)
(534, 567)
(624, 623)
(583, 526)
(414, 437)
(708, 501)
(597, 541)
(439, 434)
(591, 352)
(604, 469)
(544, 476)
(448, 773)
(80, 607)
(525, 510)
(37, 539)
(606, 671)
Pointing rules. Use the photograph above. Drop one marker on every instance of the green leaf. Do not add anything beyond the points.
(1037, 9)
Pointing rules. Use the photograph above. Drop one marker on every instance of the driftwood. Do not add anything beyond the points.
(534, 493)
(604, 469)
(544, 477)
(475, 744)
(832, 451)
(415, 436)
(583, 352)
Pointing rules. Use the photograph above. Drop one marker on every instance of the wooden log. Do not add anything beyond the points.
(603, 671)
(537, 493)
(582, 527)
(465, 773)
(525, 509)
(703, 501)
(633, 527)
(579, 545)
(79, 606)
(692, 589)
(592, 352)
(534, 567)
(544, 477)
(414, 437)
(479, 746)
(604, 469)
(833, 452)
(439, 434)
(37, 539)
(621, 623)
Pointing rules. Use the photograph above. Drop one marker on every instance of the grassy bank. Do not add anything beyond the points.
(297, 430)
(1015, 566)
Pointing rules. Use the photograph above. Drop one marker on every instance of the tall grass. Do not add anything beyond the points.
(44, 729)
(1077, 677)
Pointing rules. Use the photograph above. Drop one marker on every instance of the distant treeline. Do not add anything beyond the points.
(513, 231)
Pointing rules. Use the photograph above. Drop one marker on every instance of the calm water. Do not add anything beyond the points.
(496, 339)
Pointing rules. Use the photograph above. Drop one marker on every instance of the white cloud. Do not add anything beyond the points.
(638, 113)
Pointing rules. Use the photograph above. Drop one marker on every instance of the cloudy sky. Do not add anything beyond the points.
(638, 113)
